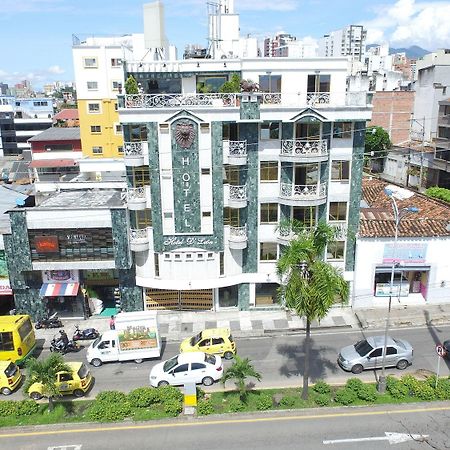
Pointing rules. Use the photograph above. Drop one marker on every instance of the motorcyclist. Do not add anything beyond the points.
(63, 340)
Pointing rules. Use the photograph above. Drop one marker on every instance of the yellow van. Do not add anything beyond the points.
(17, 339)
(10, 377)
(77, 381)
(212, 340)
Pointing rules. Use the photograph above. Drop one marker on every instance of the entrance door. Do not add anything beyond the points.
(201, 299)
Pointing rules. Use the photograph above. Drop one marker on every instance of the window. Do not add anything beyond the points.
(270, 130)
(217, 341)
(268, 251)
(90, 63)
(96, 129)
(335, 250)
(92, 85)
(116, 107)
(182, 368)
(118, 128)
(305, 214)
(231, 216)
(138, 133)
(391, 351)
(6, 341)
(93, 108)
(270, 83)
(211, 83)
(205, 343)
(197, 366)
(120, 149)
(97, 150)
(141, 218)
(40, 103)
(268, 171)
(206, 171)
(116, 85)
(376, 353)
(269, 212)
(156, 262)
(206, 214)
(318, 83)
(141, 176)
(65, 377)
(116, 62)
(338, 211)
(342, 130)
(232, 175)
(340, 170)
(221, 263)
(230, 131)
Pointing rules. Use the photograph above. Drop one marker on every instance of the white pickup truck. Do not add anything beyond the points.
(136, 337)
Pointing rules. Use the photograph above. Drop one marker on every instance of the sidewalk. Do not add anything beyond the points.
(177, 325)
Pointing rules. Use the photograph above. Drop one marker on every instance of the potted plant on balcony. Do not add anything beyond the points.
(233, 86)
(131, 86)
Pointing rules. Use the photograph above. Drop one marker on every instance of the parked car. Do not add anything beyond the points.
(77, 381)
(446, 346)
(217, 341)
(10, 377)
(368, 354)
(192, 367)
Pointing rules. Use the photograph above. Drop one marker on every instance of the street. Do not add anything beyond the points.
(280, 359)
(413, 426)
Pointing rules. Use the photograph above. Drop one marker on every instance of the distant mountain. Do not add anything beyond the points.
(413, 52)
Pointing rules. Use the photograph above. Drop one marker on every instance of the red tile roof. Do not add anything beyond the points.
(67, 114)
(432, 219)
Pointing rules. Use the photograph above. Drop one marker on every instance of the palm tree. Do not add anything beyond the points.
(44, 372)
(308, 284)
(239, 371)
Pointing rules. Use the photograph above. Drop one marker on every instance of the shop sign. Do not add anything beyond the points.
(404, 253)
(93, 275)
(60, 276)
(77, 238)
(46, 244)
(188, 241)
(384, 289)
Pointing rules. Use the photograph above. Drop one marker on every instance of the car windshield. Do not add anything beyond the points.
(230, 338)
(196, 339)
(83, 371)
(96, 342)
(363, 347)
(11, 370)
(210, 359)
(170, 363)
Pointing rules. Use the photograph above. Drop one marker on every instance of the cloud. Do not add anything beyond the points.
(267, 5)
(25, 6)
(56, 70)
(37, 77)
(411, 22)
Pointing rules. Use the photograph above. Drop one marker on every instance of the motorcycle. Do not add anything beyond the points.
(49, 322)
(63, 345)
(84, 335)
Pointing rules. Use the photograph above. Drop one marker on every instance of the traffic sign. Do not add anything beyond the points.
(440, 350)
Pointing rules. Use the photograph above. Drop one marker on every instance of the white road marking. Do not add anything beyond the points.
(393, 438)
(66, 447)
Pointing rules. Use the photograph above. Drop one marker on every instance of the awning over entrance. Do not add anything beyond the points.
(59, 289)
(53, 163)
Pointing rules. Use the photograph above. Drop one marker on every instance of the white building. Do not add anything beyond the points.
(348, 41)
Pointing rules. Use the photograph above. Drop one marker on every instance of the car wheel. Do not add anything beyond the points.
(78, 393)
(163, 383)
(402, 364)
(6, 391)
(35, 395)
(207, 381)
(357, 368)
(96, 362)
(228, 355)
(138, 361)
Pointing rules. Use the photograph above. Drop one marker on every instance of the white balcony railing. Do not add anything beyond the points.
(318, 98)
(237, 149)
(238, 234)
(136, 194)
(139, 239)
(179, 100)
(303, 148)
(303, 192)
(133, 149)
(238, 193)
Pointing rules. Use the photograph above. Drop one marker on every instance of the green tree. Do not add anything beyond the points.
(439, 193)
(232, 86)
(308, 284)
(377, 144)
(44, 372)
(239, 371)
(131, 86)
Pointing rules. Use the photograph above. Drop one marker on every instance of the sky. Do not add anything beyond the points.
(36, 35)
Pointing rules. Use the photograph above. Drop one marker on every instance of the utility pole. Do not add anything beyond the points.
(421, 155)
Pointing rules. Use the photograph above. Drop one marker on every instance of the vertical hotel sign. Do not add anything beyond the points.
(186, 176)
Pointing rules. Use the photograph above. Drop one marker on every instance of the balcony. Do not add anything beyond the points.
(298, 150)
(235, 152)
(139, 240)
(238, 237)
(284, 234)
(136, 198)
(134, 153)
(303, 195)
(237, 196)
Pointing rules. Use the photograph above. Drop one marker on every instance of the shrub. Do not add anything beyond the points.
(288, 401)
(111, 397)
(411, 383)
(322, 388)
(396, 388)
(235, 404)
(168, 393)
(200, 393)
(204, 407)
(367, 392)
(7, 408)
(264, 402)
(345, 396)
(424, 391)
(26, 408)
(143, 397)
(102, 411)
(442, 390)
(173, 406)
(322, 399)
(354, 384)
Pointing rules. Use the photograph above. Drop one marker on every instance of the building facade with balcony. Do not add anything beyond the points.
(211, 176)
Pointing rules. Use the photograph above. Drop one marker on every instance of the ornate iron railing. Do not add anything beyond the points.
(298, 147)
(134, 194)
(238, 149)
(317, 98)
(271, 98)
(138, 235)
(133, 148)
(238, 233)
(178, 100)
(238, 192)
(302, 192)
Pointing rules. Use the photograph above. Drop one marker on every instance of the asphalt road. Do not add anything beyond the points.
(280, 359)
(418, 426)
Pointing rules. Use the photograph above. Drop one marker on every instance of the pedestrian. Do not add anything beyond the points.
(112, 323)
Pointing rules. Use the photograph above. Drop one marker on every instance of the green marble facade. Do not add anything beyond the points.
(243, 296)
(131, 295)
(120, 225)
(325, 170)
(249, 109)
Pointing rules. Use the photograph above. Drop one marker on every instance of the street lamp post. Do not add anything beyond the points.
(398, 216)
